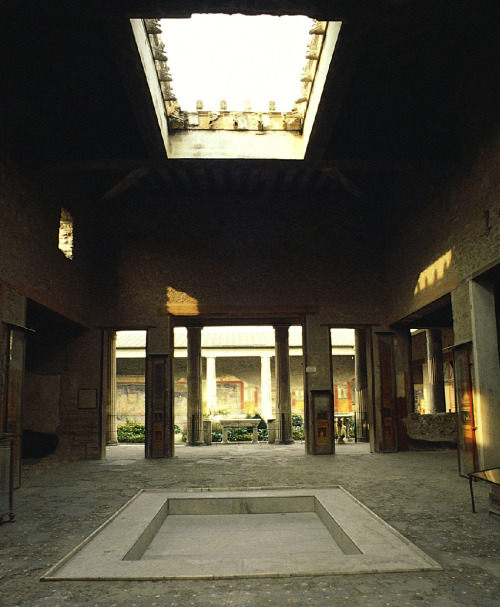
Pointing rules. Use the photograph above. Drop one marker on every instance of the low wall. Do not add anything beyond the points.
(432, 430)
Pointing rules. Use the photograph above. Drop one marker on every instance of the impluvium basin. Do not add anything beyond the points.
(245, 533)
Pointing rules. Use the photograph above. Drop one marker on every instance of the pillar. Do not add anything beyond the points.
(385, 439)
(266, 388)
(361, 384)
(486, 376)
(194, 394)
(318, 369)
(436, 400)
(111, 417)
(159, 391)
(211, 386)
(3, 351)
(403, 368)
(283, 396)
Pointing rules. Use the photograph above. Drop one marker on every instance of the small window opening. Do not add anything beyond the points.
(66, 233)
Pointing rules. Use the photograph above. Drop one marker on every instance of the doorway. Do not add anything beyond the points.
(237, 381)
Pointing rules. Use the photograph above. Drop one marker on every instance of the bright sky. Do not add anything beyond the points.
(236, 58)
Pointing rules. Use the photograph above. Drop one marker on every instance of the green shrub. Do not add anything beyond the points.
(239, 434)
(216, 433)
(262, 425)
(297, 434)
(131, 432)
(297, 427)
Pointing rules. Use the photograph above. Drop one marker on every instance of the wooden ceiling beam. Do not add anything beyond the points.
(341, 164)
(122, 186)
(410, 11)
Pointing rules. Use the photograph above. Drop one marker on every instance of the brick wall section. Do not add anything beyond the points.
(30, 260)
(80, 428)
(261, 255)
(457, 214)
(33, 267)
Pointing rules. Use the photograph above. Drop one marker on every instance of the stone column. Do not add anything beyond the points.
(3, 352)
(160, 390)
(211, 386)
(403, 367)
(283, 396)
(194, 394)
(486, 379)
(361, 384)
(436, 402)
(266, 388)
(112, 421)
(318, 368)
(385, 401)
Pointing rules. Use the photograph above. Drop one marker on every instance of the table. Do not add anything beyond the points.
(240, 423)
(491, 475)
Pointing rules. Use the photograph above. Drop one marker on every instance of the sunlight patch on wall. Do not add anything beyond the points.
(433, 273)
(179, 302)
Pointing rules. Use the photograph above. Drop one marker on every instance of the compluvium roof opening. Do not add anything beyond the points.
(260, 100)
(243, 61)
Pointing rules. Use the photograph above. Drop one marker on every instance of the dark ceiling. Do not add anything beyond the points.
(413, 84)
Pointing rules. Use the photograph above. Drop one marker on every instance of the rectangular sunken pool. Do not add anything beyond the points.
(247, 533)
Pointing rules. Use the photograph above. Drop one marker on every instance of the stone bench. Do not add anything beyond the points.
(240, 423)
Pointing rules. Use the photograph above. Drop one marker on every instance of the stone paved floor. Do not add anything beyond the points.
(419, 493)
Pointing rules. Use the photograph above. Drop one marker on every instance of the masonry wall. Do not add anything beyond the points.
(451, 229)
(30, 260)
(444, 222)
(263, 256)
(33, 269)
